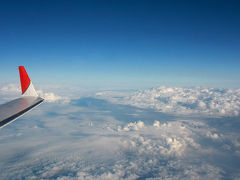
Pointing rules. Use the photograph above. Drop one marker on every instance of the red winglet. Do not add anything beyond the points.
(25, 80)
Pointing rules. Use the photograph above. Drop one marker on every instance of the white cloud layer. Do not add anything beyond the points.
(51, 97)
(184, 101)
(95, 139)
(11, 91)
(9, 88)
(167, 151)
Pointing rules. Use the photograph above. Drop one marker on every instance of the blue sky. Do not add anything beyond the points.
(129, 44)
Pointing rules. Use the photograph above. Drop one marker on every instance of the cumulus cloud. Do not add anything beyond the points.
(10, 88)
(51, 97)
(156, 124)
(95, 139)
(183, 101)
(213, 136)
(132, 126)
(144, 151)
(11, 91)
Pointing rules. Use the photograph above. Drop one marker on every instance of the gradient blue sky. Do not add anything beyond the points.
(130, 44)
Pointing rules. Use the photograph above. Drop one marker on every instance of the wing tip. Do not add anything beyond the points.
(26, 84)
(24, 79)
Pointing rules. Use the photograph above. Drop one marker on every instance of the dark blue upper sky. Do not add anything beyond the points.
(122, 43)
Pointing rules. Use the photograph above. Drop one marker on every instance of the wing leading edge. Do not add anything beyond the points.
(14, 109)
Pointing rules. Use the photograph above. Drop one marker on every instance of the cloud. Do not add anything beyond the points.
(10, 88)
(12, 91)
(79, 141)
(183, 101)
(132, 126)
(156, 124)
(9, 92)
(51, 97)
(213, 136)
(143, 152)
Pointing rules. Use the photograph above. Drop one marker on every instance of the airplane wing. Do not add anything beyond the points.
(16, 108)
